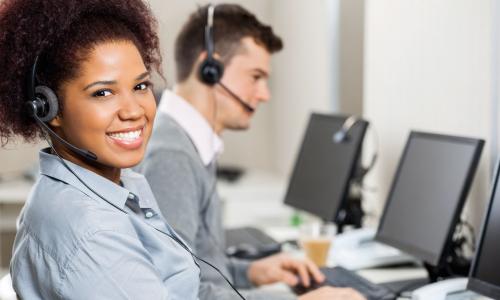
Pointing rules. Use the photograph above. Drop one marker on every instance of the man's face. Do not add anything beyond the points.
(247, 76)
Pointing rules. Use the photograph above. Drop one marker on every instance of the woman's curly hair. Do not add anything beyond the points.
(61, 33)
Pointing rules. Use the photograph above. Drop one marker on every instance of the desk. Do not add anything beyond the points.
(257, 200)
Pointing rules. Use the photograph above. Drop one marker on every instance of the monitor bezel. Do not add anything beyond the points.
(475, 284)
(426, 256)
(341, 118)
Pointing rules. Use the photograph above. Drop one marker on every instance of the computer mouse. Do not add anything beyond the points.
(300, 288)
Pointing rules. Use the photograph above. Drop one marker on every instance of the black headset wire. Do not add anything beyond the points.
(173, 237)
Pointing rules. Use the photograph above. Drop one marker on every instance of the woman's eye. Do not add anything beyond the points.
(142, 86)
(102, 93)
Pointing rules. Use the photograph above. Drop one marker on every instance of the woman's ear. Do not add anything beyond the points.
(57, 121)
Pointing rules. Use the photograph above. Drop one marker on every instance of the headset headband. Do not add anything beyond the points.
(209, 42)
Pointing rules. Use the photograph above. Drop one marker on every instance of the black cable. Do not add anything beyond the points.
(204, 261)
(180, 243)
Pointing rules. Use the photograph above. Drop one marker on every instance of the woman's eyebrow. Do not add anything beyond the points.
(101, 82)
(111, 82)
(142, 76)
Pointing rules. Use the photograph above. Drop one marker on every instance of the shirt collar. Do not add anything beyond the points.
(51, 166)
(208, 144)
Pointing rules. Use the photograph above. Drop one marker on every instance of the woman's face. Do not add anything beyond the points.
(108, 108)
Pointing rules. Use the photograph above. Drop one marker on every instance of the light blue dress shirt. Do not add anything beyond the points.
(71, 244)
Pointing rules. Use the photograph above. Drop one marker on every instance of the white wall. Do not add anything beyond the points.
(302, 74)
(428, 67)
(350, 63)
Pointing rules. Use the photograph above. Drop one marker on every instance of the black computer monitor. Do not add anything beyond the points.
(427, 195)
(320, 180)
(484, 277)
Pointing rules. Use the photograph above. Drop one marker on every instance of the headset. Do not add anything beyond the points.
(342, 136)
(211, 69)
(43, 106)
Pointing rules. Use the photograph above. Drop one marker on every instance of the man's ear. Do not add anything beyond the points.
(196, 67)
(203, 55)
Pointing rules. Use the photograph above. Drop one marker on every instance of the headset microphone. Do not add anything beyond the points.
(238, 98)
(342, 135)
(82, 152)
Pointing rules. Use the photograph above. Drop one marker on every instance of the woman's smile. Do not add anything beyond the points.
(129, 139)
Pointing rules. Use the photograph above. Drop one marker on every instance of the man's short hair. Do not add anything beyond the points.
(231, 24)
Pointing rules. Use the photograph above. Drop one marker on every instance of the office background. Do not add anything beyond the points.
(420, 64)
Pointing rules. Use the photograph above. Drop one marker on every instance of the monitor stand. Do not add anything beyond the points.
(351, 211)
(351, 214)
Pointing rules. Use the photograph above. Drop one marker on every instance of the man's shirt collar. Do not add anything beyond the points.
(208, 144)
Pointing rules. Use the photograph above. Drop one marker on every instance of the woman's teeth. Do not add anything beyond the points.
(126, 136)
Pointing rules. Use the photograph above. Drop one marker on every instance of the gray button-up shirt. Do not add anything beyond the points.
(71, 244)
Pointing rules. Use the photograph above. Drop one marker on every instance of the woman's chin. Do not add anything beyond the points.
(126, 161)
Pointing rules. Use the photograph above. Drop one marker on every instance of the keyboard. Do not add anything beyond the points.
(248, 235)
(341, 277)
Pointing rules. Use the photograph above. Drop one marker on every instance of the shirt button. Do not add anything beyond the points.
(149, 214)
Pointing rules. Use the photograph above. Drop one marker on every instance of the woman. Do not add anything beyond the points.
(91, 228)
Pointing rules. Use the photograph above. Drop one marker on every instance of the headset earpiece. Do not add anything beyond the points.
(49, 103)
(211, 71)
(42, 101)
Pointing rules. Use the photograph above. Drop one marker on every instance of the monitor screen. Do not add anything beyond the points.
(485, 277)
(427, 194)
(320, 179)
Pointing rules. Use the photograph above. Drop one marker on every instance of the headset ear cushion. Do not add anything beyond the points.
(211, 71)
(50, 98)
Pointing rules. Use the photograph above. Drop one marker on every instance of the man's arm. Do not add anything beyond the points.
(172, 177)
(173, 180)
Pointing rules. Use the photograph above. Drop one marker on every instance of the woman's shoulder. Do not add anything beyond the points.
(60, 215)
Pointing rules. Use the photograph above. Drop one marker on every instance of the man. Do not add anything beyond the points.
(223, 62)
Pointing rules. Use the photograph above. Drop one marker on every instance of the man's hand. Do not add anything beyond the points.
(328, 293)
(284, 268)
